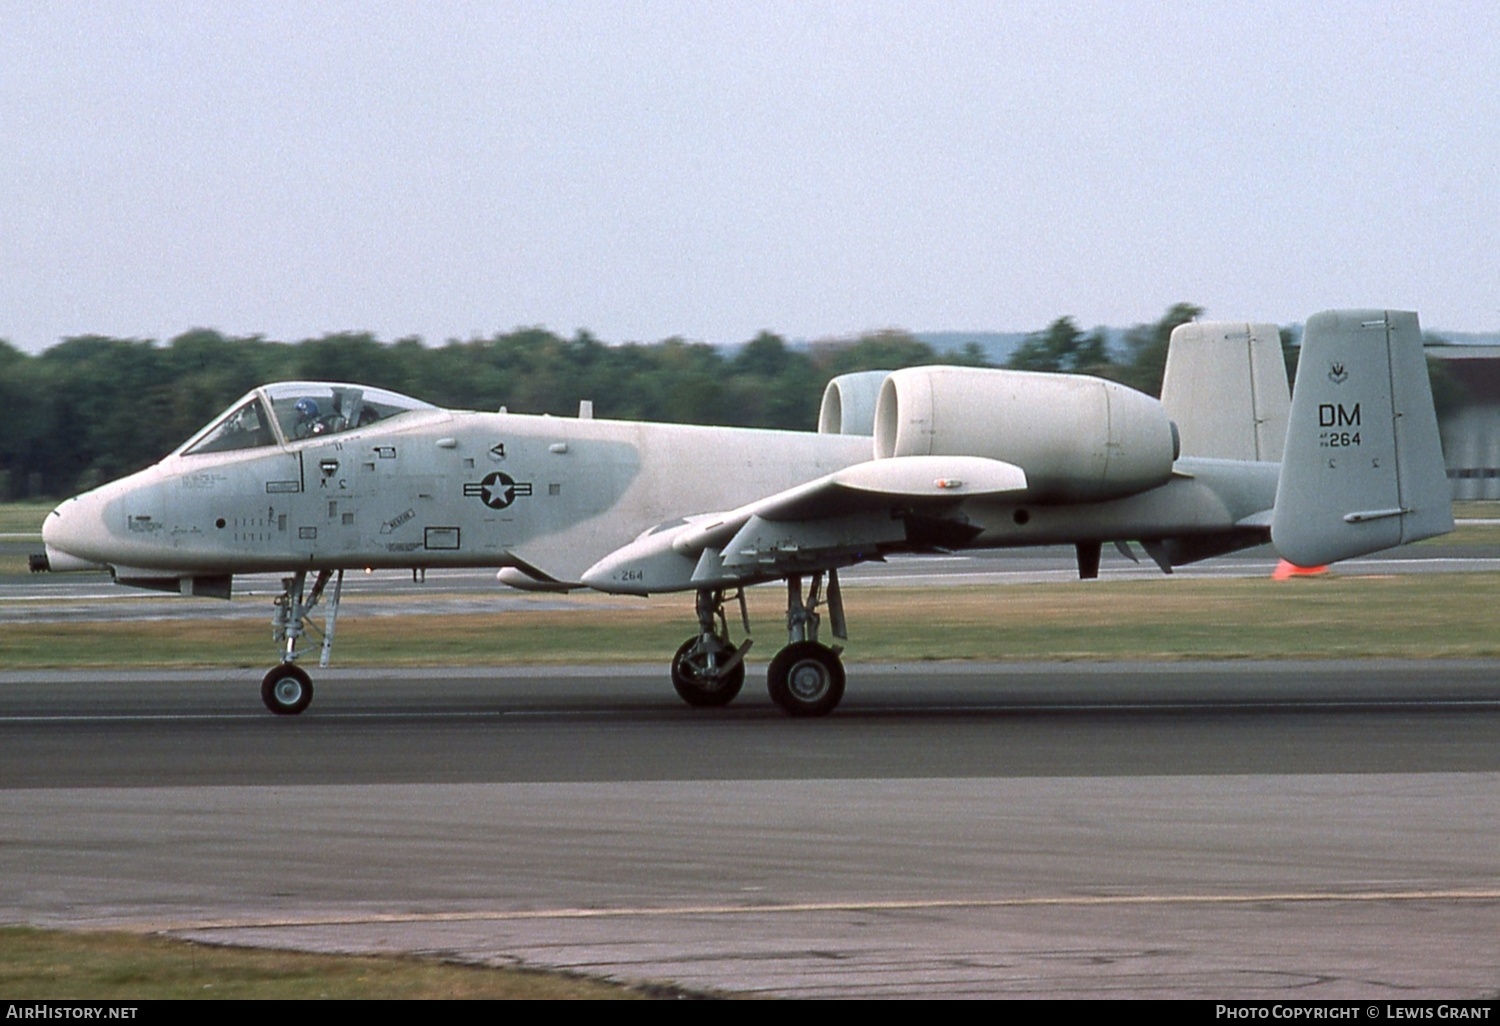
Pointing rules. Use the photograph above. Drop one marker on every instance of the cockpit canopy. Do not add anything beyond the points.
(290, 411)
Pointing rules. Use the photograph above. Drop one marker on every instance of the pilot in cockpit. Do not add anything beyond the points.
(308, 419)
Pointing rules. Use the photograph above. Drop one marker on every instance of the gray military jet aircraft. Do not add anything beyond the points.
(310, 479)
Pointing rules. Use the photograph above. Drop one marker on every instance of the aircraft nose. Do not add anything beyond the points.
(71, 532)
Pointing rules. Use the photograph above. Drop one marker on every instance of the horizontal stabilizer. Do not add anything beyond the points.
(1363, 468)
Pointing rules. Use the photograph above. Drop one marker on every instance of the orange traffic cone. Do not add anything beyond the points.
(1286, 571)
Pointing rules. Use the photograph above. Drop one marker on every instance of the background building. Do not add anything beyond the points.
(1469, 417)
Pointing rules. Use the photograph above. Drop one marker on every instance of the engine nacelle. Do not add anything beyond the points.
(849, 403)
(1078, 438)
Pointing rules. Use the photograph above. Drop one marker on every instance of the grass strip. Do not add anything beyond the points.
(24, 517)
(1407, 616)
(65, 965)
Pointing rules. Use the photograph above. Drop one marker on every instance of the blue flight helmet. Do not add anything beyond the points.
(307, 409)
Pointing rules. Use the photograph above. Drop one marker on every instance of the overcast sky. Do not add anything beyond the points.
(709, 169)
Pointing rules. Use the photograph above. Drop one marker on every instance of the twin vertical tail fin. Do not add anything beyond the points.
(1225, 388)
(1363, 466)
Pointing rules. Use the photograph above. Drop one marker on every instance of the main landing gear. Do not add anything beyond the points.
(805, 678)
(708, 670)
(286, 689)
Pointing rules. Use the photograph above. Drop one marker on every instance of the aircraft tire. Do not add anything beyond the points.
(806, 679)
(702, 690)
(286, 690)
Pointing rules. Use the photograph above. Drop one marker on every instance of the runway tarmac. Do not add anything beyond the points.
(85, 597)
(1291, 830)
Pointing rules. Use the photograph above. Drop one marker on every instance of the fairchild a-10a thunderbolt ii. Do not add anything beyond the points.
(310, 479)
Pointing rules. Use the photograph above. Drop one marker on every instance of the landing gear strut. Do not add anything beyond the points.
(708, 670)
(286, 689)
(807, 678)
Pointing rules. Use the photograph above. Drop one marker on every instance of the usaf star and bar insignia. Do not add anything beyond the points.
(497, 490)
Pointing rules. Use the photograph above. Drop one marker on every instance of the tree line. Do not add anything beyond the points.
(93, 408)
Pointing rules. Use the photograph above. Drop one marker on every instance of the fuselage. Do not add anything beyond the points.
(548, 495)
(432, 488)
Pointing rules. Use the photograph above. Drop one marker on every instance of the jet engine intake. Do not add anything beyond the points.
(848, 406)
(1078, 438)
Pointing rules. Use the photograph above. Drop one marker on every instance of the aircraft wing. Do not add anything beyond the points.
(835, 520)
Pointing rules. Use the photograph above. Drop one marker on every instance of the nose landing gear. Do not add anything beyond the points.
(287, 689)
